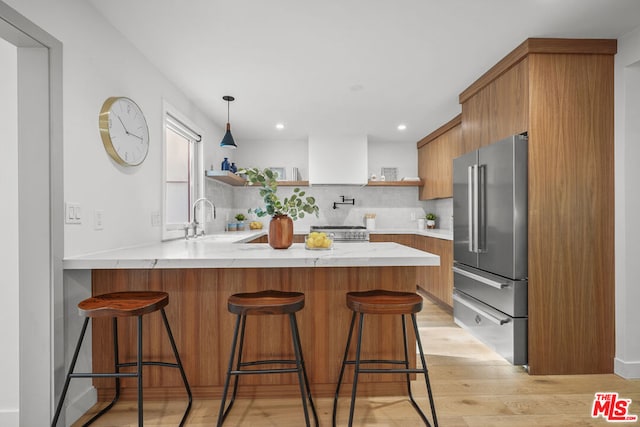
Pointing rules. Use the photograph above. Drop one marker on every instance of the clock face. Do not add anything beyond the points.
(124, 131)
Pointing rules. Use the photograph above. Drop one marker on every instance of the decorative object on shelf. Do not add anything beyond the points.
(227, 140)
(225, 164)
(390, 174)
(293, 174)
(345, 201)
(374, 177)
(282, 212)
(281, 173)
(121, 119)
(370, 221)
(431, 220)
(233, 168)
(240, 224)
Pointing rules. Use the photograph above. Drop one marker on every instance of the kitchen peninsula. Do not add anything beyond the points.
(200, 275)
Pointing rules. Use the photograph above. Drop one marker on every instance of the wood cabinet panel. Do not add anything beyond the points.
(561, 92)
(435, 160)
(436, 281)
(402, 239)
(571, 214)
(498, 110)
(203, 328)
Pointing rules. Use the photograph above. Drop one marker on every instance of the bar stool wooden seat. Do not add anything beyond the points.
(378, 302)
(115, 305)
(269, 302)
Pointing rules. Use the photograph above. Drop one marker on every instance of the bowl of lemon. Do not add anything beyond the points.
(317, 240)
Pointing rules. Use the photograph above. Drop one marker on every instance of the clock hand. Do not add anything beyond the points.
(123, 126)
(133, 134)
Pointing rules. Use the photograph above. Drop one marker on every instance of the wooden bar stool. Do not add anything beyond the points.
(384, 302)
(124, 304)
(268, 302)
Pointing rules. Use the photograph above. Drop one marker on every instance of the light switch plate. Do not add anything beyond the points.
(72, 213)
(156, 219)
(98, 219)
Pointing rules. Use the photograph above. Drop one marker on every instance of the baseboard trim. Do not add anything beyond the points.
(80, 405)
(627, 370)
(9, 417)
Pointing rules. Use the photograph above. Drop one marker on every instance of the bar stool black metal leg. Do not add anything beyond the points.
(425, 370)
(116, 363)
(67, 380)
(344, 364)
(236, 378)
(304, 372)
(179, 363)
(356, 372)
(406, 365)
(301, 379)
(222, 414)
(139, 370)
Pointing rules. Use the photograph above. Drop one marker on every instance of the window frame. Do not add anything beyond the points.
(196, 166)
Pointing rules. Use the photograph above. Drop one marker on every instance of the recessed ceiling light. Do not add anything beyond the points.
(402, 127)
(280, 126)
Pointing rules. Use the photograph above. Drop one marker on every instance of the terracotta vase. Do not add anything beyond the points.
(280, 232)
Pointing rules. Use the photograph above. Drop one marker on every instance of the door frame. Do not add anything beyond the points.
(40, 210)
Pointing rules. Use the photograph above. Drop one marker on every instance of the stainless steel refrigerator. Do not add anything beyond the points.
(490, 246)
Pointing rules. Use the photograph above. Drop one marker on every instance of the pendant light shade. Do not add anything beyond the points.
(227, 140)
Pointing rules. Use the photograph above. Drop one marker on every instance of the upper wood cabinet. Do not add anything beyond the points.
(436, 152)
(498, 110)
(560, 91)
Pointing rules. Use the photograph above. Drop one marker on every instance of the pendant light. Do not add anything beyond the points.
(228, 141)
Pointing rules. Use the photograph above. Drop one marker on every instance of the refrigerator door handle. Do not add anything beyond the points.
(477, 309)
(481, 210)
(479, 278)
(475, 208)
(470, 205)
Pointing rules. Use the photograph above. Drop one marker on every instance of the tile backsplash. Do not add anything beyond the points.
(395, 207)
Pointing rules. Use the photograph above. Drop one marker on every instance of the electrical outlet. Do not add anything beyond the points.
(156, 219)
(72, 213)
(98, 216)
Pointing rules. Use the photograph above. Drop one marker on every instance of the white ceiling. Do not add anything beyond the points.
(344, 66)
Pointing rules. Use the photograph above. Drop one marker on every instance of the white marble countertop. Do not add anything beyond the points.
(229, 250)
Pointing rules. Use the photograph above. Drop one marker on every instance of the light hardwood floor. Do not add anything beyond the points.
(473, 387)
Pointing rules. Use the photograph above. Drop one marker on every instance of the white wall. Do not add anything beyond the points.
(627, 205)
(296, 153)
(404, 156)
(9, 355)
(263, 154)
(98, 63)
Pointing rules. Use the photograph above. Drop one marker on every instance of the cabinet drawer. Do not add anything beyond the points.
(506, 335)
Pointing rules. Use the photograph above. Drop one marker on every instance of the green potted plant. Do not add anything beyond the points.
(431, 220)
(240, 224)
(282, 212)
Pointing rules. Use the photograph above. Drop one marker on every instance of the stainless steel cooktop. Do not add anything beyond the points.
(344, 233)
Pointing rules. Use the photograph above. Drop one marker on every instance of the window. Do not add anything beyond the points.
(183, 176)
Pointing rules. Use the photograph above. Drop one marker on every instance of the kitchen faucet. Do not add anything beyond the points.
(193, 225)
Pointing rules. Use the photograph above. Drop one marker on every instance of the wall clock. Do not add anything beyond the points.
(124, 131)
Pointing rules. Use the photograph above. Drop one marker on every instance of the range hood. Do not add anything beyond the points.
(338, 159)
